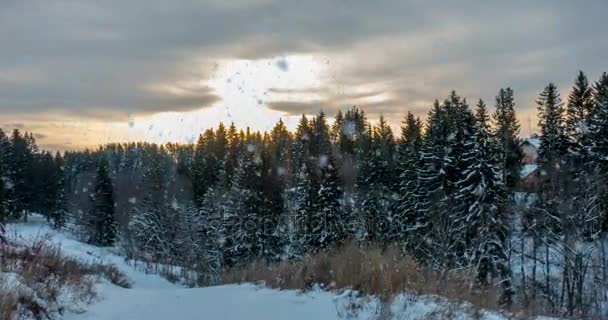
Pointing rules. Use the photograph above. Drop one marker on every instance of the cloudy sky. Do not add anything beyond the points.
(80, 73)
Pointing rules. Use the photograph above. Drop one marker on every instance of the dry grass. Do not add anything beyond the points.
(369, 269)
(43, 275)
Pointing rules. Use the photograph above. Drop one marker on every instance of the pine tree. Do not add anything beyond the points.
(272, 189)
(435, 237)
(233, 151)
(408, 163)
(304, 208)
(207, 165)
(58, 207)
(320, 140)
(152, 224)
(431, 187)
(19, 167)
(551, 121)
(337, 128)
(598, 146)
(46, 185)
(102, 217)
(481, 204)
(554, 145)
(578, 112)
(379, 184)
(327, 226)
(578, 181)
(301, 146)
(200, 236)
(248, 237)
(3, 199)
(4, 180)
(506, 132)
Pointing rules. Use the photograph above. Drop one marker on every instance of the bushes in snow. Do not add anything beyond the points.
(38, 282)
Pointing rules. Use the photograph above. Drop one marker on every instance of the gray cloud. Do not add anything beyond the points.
(107, 59)
(301, 107)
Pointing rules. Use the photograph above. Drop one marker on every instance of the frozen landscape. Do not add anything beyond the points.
(154, 298)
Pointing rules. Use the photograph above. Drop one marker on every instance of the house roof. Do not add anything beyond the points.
(533, 141)
(527, 169)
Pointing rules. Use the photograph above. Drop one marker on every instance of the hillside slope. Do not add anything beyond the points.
(153, 298)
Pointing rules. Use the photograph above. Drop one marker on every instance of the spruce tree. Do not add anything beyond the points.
(272, 188)
(206, 165)
(481, 202)
(431, 187)
(337, 128)
(248, 237)
(506, 133)
(19, 167)
(58, 208)
(233, 151)
(328, 221)
(304, 199)
(3, 201)
(152, 222)
(301, 146)
(578, 113)
(102, 217)
(320, 140)
(554, 145)
(4, 180)
(408, 163)
(201, 236)
(552, 124)
(435, 236)
(578, 181)
(598, 146)
(379, 184)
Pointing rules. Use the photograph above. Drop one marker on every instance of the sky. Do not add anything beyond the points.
(82, 73)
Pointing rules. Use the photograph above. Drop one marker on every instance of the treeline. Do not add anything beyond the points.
(31, 180)
(447, 191)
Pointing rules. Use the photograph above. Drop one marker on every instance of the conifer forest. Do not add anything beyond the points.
(451, 190)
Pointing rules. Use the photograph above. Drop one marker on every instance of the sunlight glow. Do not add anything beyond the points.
(244, 87)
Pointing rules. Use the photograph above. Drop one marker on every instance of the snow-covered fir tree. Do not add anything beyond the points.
(598, 146)
(432, 187)
(506, 133)
(249, 205)
(554, 145)
(482, 201)
(3, 195)
(102, 221)
(58, 212)
(407, 163)
(20, 174)
(379, 184)
(328, 223)
(579, 181)
(153, 224)
(578, 112)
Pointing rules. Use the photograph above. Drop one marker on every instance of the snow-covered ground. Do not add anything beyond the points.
(153, 298)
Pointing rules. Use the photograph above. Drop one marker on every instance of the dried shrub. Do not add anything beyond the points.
(367, 268)
(41, 274)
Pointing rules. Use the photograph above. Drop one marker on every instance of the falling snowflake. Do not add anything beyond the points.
(131, 121)
(282, 64)
(348, 128)
(281, 171)
(133, 200)
(323, 160)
